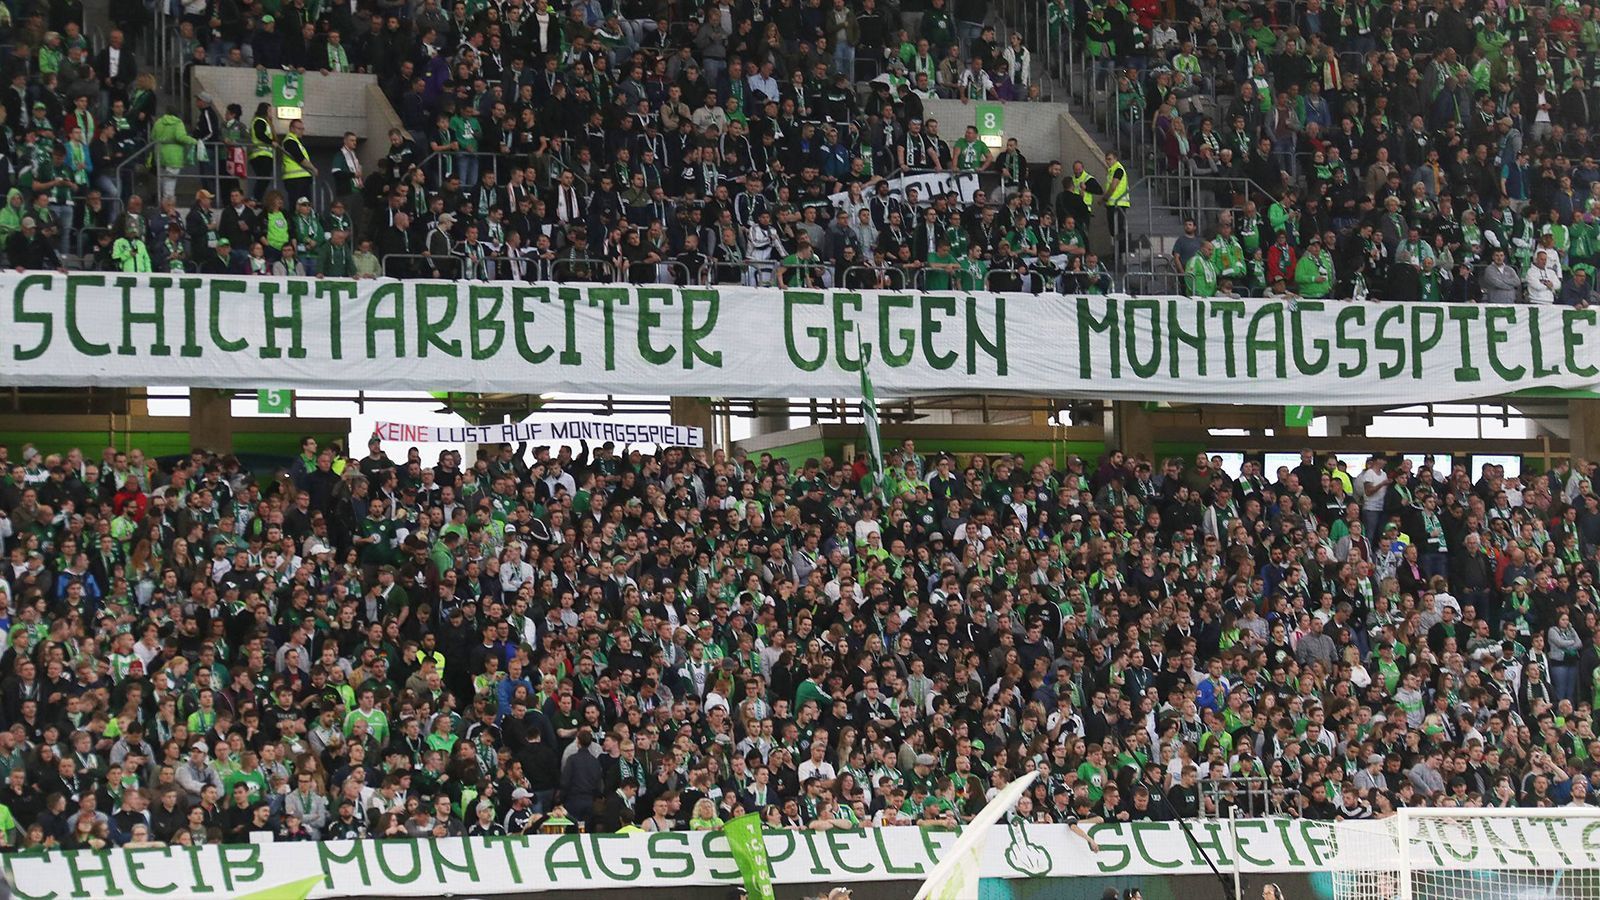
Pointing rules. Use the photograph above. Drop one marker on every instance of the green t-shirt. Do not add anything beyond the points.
(938, 279)
(971, 155)
(1094, 778)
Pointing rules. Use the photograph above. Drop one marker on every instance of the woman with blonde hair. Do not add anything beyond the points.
(704, 817)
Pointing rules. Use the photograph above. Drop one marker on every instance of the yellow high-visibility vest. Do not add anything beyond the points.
(291, 168)
(1117, 185)
(258, 147)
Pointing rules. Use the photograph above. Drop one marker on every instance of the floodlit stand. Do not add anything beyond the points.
(1469, 854)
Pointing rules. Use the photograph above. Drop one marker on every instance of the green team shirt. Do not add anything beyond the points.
(974, 274)
(377, 724)
(938, 279)
(971, 155)
(1095, 778)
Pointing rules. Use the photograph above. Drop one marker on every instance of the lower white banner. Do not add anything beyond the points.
(532, 864)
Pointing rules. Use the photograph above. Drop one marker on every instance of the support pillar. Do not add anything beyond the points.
(211, 419)
(1583, 425)
(772, 417)
(695, 411)
(1135, 429)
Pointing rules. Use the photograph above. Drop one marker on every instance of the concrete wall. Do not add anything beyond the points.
(1034, 125)
(334, 104)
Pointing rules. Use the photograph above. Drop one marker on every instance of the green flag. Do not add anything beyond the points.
(869, 416)
(750, 853)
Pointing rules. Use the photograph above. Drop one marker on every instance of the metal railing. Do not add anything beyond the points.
(497, 267)
(1253, 795)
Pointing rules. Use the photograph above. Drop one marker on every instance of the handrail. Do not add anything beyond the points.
(1261, 795)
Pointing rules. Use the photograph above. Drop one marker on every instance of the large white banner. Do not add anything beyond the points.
(115, 330)
(474, 867)
(593, 430)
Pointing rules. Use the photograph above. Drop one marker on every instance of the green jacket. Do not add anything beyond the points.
(336, 262)
(172, 140)
(132, 254)
(1313, 275)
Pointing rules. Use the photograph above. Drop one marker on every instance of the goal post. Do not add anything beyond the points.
(1468, 854)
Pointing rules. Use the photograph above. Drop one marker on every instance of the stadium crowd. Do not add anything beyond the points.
(1438, 150)
(619, 640)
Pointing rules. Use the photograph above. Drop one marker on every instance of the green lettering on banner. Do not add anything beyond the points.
(1110, 841)
(23, 316)
(931, 326)
(994, 345)
(809, 363)
(1316, 837)
(74, 334)
(579, 860)
(136, 866)
(1211, 843)
(1505, 850)
(934, 843)
(631, 873)
(1574, 340)
(1177, 334)
(241, 864)
(1536, 344)
(695, 333)
(714, 849)
(275, 322)
(1551, 835)
(841, 850)
(1254, 344)
(1150, 334)
(842, 327)
(412, 854)
(332, 295)
(467, 865)
(155, 318)
(328, 857)
(650, 319)
(1492, 318)
(191, 318)
(886, 858)
(201, 886)
(509, 844)
(1108, 325)
(522, 319)
(1242, 843)
(888, 352)
(1228, 310)
(1146, 347)
(1149, 859)
(1591, 841)
(1381, 340)
(218, 288)
(394, 322)
(1302, 364)
(607, 298)
(9, 861)
(810, 839)
(660, 853)
(789, 844)
(1283, 835)
(1347, 342)
(480, 321)
(82, 874)
(1421, 343)
(430, 330)
(1466, 372)
(570, 298)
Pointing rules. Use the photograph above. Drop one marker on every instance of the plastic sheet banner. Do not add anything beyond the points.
(479, 867)
(592, 430)
(123, 330)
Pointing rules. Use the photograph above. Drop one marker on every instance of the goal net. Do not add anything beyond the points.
(1468, 854)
